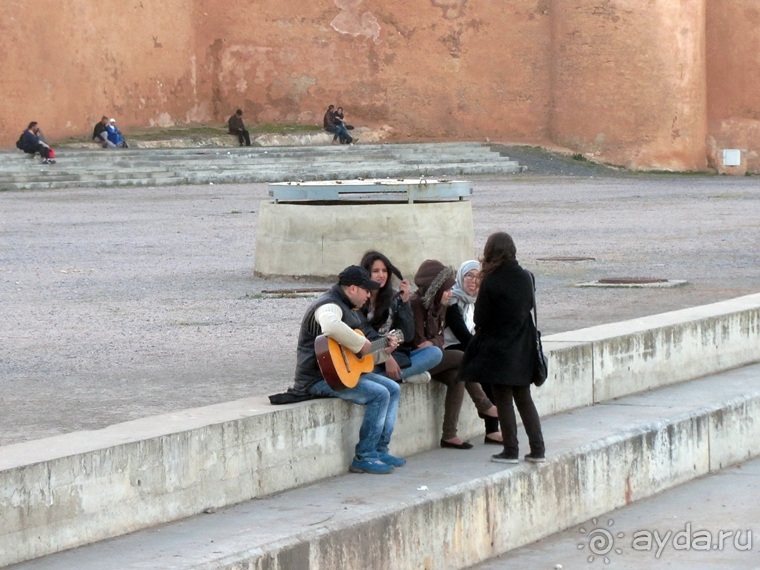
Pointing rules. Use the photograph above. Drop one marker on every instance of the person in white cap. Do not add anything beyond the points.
(114, 135)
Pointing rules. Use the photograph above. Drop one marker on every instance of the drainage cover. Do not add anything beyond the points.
(631, 281)
(566, 258)
(634, 282)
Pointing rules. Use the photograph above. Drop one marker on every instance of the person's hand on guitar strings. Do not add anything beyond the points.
(392, 340)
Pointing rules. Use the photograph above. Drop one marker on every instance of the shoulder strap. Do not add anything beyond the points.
(533, 294)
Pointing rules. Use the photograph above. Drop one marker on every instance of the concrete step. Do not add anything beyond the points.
(707, 523)
(451, 509)
(101, 168)
(83, 487)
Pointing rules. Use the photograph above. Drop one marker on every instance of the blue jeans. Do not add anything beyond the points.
(340, 132)
(422, 359)
(380, 395)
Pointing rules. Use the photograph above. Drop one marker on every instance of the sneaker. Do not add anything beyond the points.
(391, 460)
(504, 458)
(421, 378)
(354, 140)
(374, 466)
(533, 458)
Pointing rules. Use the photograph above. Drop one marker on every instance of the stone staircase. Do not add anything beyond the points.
(630, 409)
(99, 168)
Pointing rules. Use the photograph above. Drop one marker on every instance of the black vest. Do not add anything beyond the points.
(307, 369)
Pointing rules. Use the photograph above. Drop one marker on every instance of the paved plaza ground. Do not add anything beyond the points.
(127, 302)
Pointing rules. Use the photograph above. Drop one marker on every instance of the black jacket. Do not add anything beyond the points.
(29, 142)
(503, 350)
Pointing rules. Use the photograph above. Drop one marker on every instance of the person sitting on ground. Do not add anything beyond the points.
(100, 133)
(341, 116)
(434, 281)
(31, 143)
(389, 309)
(460, 327)
(335, 314)
(336, 127)
(114, 135)
(237, 128)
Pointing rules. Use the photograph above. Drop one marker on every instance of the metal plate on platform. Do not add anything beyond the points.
(420, 189)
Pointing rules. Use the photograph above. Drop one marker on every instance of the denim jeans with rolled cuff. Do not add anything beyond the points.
(380, 396)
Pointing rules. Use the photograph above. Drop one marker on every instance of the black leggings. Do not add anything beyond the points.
(505, 395)
(42, 149)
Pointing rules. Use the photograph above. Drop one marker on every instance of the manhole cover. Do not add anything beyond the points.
(567, 258)
(630, 281)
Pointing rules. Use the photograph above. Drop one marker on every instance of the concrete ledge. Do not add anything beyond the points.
(444, 510)
(472, 521)
(641, 354)
(82, 487)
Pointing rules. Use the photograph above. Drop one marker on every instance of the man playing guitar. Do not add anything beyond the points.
(336, 314)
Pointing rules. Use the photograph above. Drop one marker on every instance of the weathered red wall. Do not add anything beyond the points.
(442, 68)
(644, 84)
(628, 81)
(733, 87)
(67, 64)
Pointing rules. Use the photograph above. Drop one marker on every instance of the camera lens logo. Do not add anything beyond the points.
(600, 541)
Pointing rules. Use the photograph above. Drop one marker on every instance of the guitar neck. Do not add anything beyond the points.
(378, 344)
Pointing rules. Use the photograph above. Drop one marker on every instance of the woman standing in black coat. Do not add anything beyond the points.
(504, 346)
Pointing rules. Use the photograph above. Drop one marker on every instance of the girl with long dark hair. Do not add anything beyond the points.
(504, 346)
(389, 309)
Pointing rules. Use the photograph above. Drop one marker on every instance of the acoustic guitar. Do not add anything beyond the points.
(340, 367)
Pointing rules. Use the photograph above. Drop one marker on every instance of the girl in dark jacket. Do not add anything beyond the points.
(504, 346)
(390, 309)
(434, 282)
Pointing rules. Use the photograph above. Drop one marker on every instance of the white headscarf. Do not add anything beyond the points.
(458, 294)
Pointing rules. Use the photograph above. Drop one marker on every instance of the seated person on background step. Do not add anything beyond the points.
(335, 126)
(100, 133)
(341, 116)
(237, 128)
(31, 143)
(335, 314)
(114, 134)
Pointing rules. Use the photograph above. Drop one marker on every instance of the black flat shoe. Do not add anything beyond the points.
(483, 416)
(448, 445)
(488, 440)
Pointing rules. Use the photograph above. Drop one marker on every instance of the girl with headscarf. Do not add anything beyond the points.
(460, 326)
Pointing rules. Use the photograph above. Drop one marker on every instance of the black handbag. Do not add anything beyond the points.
(541, 371)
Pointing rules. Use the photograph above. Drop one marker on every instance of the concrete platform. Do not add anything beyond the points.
(316, 239)
(87, 486)
(451, 509)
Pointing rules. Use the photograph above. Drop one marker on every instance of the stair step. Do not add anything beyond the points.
(130, 167)
(453, 509)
